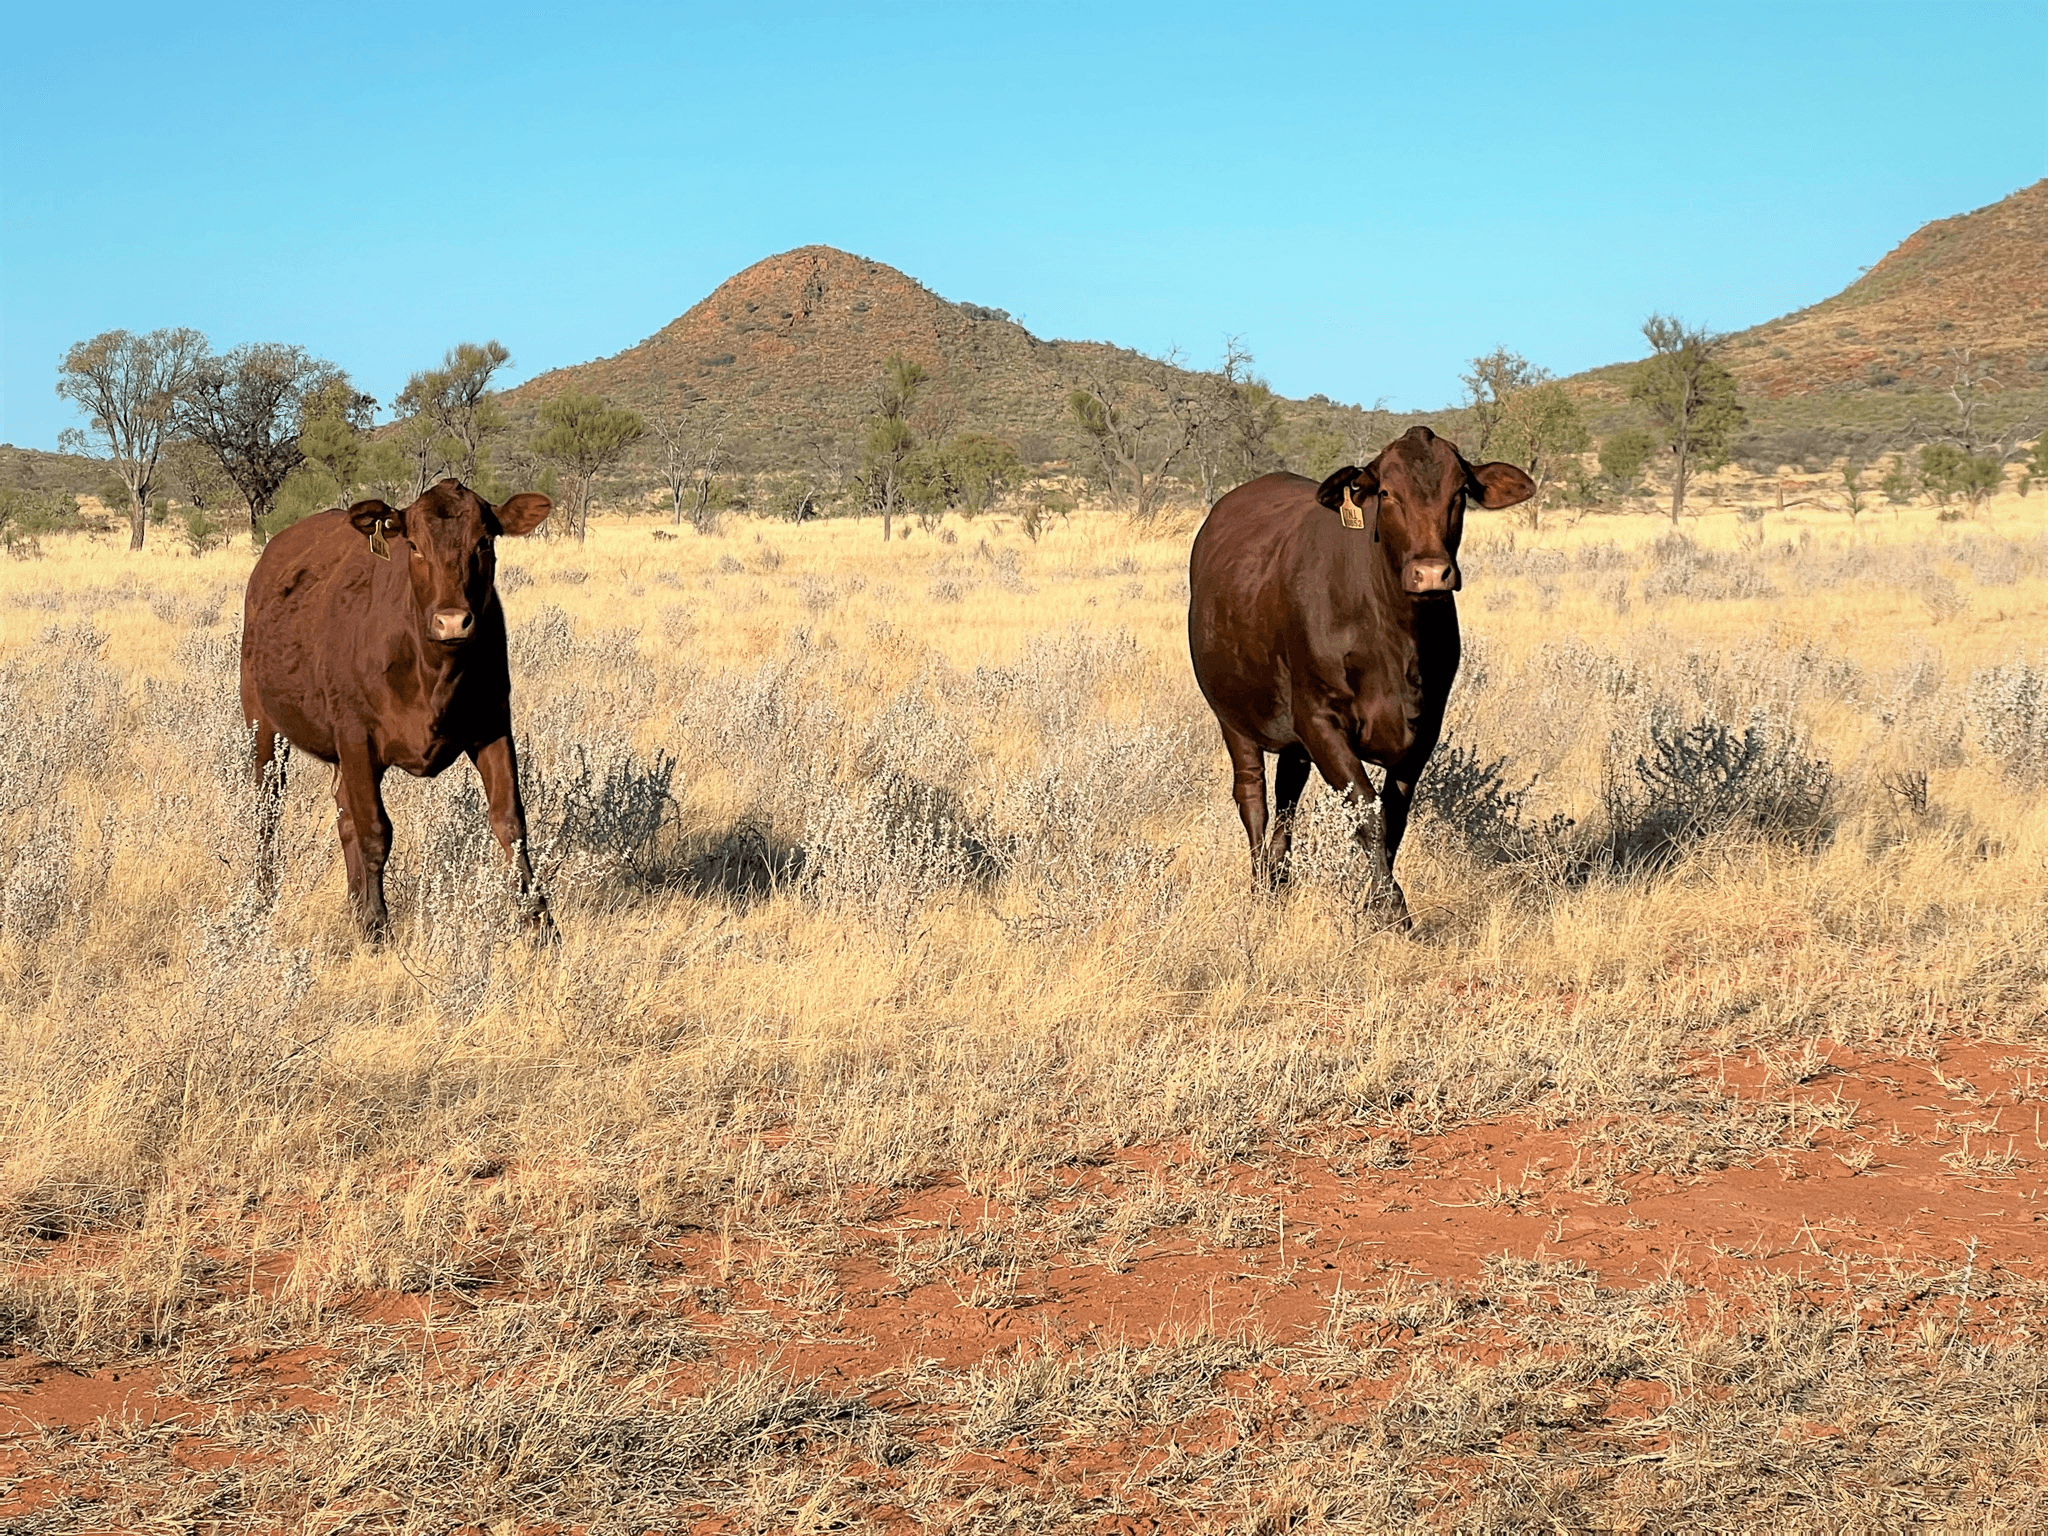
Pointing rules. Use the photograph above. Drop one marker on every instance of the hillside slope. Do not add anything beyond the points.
(792, 347)
(1878, 354)
(796, 343)
(1977, 281)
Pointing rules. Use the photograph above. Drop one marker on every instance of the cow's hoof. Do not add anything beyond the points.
(1392, 911)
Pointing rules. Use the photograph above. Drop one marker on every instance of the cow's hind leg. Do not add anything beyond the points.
(1344, 770)
(1290, 777)
(1248, 788)
(272, 753)
(497, 763)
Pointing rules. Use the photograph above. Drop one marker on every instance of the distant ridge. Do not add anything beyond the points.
(1978, 280)
(795, 343)
(799, 339)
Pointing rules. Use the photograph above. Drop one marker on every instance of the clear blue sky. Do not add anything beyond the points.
(1367, 194)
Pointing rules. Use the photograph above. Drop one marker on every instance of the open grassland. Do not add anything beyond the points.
(921, 1124)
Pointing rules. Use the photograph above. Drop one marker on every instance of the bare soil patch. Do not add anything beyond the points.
(1359, 1326)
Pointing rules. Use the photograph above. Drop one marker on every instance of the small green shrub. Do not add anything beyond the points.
(1701, 777)
(1039, 511)
(1623, 456)
(309, 489)
(1470, 797)
(201, 533)
(1946, 470)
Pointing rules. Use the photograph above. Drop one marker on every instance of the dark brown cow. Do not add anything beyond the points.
(373, 639)
(1322, 626)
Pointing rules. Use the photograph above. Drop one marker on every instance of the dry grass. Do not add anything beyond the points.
(866, 884)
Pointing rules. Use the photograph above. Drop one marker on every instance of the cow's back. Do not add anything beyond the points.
(307, 599)
(1243, 607)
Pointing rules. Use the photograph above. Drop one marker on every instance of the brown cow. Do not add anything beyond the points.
(1322, 627)
(373, 639)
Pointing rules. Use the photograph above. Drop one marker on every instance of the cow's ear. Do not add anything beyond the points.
(370, 517)
(1495, 486)
(1361, 483)
(523, 513)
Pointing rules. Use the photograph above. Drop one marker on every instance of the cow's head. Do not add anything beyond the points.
(1413, 497)
(445, 540)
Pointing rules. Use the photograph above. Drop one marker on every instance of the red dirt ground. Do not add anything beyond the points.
(1882, 1163)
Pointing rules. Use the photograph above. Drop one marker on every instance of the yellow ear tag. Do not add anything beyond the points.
(379, 545)
(1352, 513)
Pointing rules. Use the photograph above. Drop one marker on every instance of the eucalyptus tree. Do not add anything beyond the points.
(582, 435)
(129, 387)
(456, 409)
(247, 408)
(1690, 397)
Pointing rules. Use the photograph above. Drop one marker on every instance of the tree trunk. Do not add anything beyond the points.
(1678, 475)
(136, 518)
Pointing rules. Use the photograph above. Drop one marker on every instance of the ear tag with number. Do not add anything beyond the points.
(1352, 513)
(379, 545)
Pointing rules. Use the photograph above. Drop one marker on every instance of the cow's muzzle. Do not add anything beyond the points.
(452, 626)
(1426, 576)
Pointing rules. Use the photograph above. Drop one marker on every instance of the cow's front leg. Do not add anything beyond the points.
(1397, 794)
(497, 763)
(365, 838)
(1330, 749)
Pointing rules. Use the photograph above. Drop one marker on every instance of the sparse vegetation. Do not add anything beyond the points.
(968, 473)
(912, 1013)
(920, 1124)
(1141, 415)
(456, 412)
(1234, 436)
(1946, 471)
(689, 432)
(891, 444)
